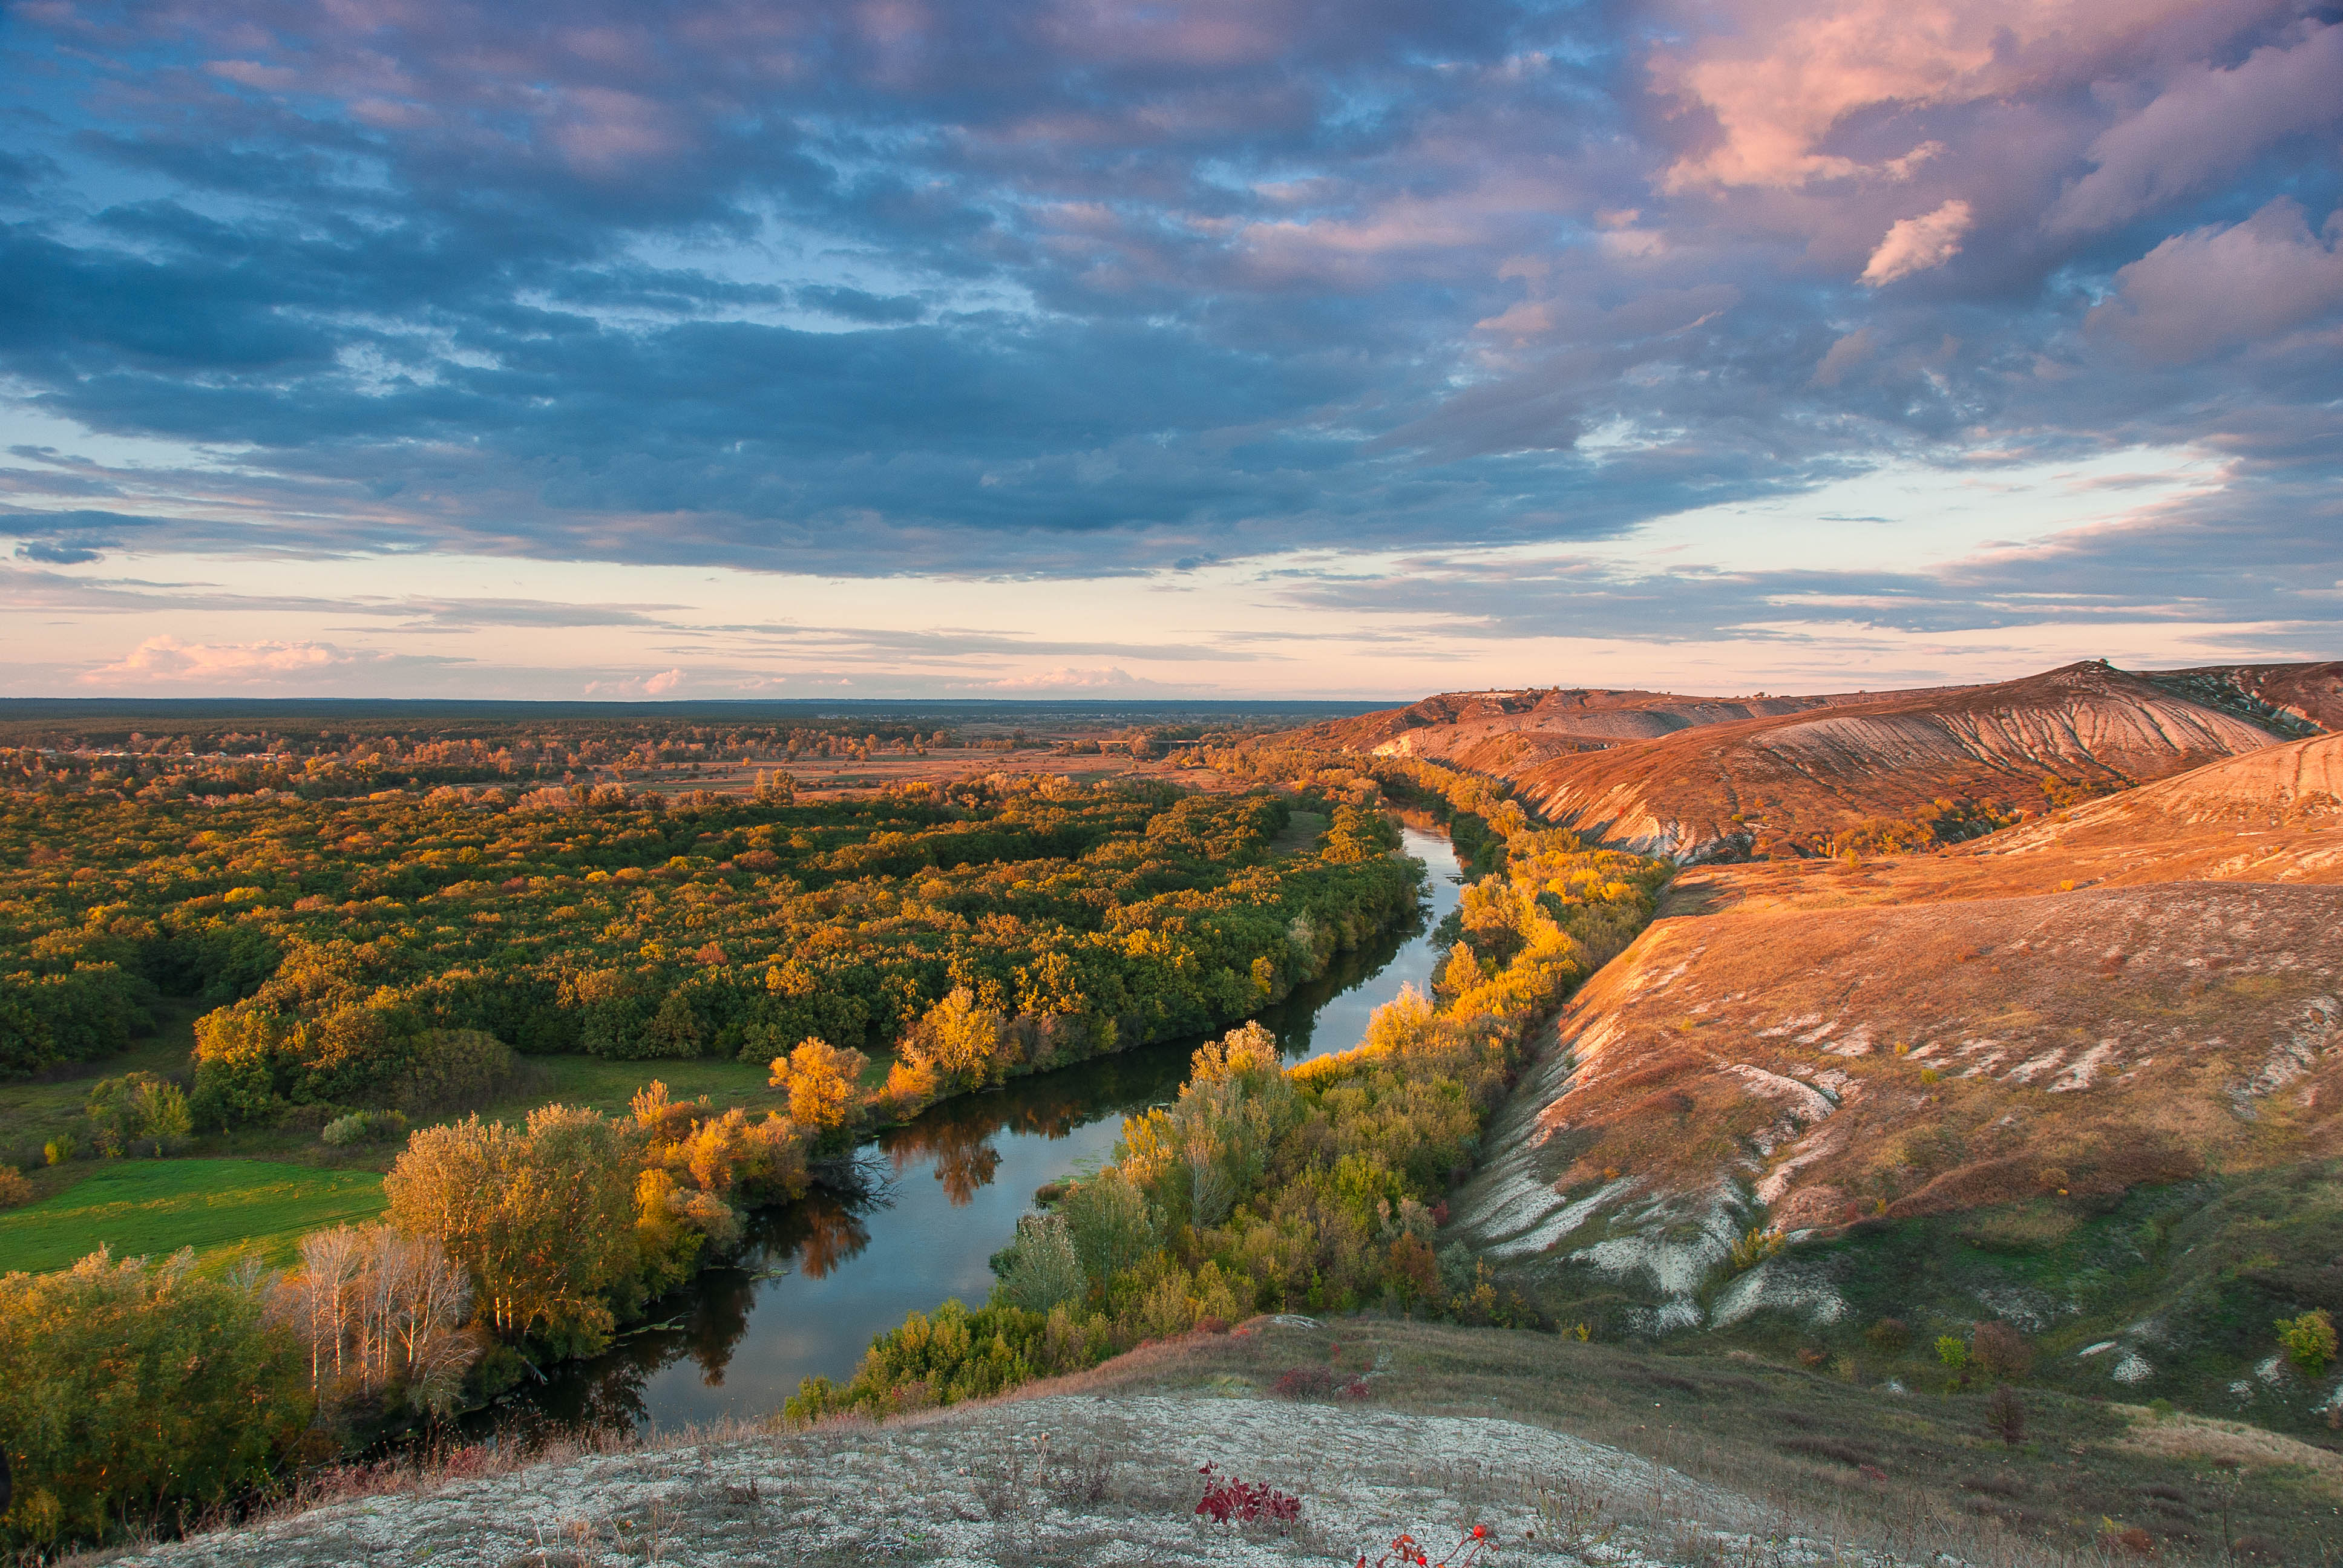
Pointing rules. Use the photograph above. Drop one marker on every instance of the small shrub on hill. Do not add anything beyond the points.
(2005, 1415)
(1407, 1552)
(1229, 1501)
(2001, 1353)
(15, 1191)
(2309, 1341)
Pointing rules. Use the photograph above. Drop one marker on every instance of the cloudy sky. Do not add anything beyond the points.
(797, 348)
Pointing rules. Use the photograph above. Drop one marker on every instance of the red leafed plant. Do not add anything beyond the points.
(1228, 1500)
(1407, 1552)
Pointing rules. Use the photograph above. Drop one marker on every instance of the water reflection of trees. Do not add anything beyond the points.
(832, 1234)
(832, 1225)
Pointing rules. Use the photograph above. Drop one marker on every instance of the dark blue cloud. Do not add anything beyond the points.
(1069, 287)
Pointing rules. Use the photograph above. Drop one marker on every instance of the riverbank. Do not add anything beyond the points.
(560, 1226)
(810, 1284)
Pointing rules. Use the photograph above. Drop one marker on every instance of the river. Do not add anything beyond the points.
(815, 1280)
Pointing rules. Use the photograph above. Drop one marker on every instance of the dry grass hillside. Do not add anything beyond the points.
(2143, 991)
(1700, 778)
(1567, 1454)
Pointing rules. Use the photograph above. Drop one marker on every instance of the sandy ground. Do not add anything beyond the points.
(1067, 1479)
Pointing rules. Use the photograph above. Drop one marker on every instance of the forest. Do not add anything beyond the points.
(349, 945)
(365, 964)
(369, 963)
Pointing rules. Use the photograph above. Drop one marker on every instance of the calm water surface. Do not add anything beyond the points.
(818, 1279)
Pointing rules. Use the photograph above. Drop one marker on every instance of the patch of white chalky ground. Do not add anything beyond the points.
(1058, 1479)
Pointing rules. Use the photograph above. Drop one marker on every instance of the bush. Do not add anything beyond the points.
(958, 1042)
(448, 1068)
(137, 1394)
(1888, 1336)
(1040, 1268)
(137, 1112)
(1229, 1501)
(364, 1127)
(823, 1082)
(15, 1191)
(1319, 1383)
(2308, 1341)
(1110, 1226)
(1952, 1351)
(2001, 1353)
(542, 1218)
(2005, 1415)
(381, 1311)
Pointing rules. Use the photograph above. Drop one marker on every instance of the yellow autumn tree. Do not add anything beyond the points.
(822, 1080)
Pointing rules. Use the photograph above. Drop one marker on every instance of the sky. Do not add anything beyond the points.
(1183, 348)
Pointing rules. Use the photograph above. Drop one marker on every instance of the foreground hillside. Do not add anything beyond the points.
(1700, 777)
(2084, 1076)
(1564, 1451)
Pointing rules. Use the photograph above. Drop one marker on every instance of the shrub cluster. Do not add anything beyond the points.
(138, 1394)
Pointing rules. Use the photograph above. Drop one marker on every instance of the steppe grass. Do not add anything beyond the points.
(226, 1210)
(1910, 1473)
(2212, 1263)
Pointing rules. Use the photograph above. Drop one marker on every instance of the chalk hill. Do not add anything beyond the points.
(1710, 778)
(2143, 991)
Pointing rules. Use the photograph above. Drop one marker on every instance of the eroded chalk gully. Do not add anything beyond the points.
(816, 1280)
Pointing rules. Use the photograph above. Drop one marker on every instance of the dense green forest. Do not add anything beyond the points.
(347, 942)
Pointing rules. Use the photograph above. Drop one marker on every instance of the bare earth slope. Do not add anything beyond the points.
(2295, 696)
(2147, 988)
(1047, 1480)
(1701, 779)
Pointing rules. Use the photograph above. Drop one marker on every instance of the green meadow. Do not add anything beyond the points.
(258, 1204)
(226, 1210)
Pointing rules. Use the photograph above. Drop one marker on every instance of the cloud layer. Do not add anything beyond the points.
(1071, 290)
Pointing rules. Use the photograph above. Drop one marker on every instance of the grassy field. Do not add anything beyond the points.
(253, 1191)
(607, 1086)
(31, 1112)
(1301, 835)
(226, 1210)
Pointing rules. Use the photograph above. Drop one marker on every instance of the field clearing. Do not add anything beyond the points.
(607, 1086)
(226, 1210)
(34, 1110)
(845, 778)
